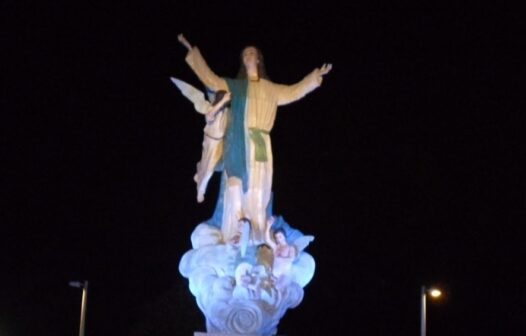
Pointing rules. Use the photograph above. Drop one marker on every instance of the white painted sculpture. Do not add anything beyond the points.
(246, 266)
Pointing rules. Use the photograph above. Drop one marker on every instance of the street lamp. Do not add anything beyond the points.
(84, 286)
(435, 293)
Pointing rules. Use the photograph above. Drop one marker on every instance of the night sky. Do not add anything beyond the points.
(403, 164)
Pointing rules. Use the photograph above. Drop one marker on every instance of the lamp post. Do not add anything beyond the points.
(434, 293)
(83, 307)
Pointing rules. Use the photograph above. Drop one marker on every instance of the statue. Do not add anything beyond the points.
(243, 279)
(213, 132)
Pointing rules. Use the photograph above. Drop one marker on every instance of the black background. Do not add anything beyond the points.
(403, 164)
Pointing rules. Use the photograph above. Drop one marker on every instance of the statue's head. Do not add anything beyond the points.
(280, 236)
(251, 56)
(244, 220)
(218, 96)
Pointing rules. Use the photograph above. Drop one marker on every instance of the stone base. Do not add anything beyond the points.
(239, 293)
(200, 333)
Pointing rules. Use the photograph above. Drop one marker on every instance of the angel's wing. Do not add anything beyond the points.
(302, 242)
(194, 95)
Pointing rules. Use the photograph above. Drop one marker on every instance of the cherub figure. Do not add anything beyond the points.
(213, 132)
(284, 253)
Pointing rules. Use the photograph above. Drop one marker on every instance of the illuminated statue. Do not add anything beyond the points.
(244, 280)
(247, 151)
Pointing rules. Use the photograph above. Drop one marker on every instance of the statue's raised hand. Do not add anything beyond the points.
(184, 41)
(325, 69)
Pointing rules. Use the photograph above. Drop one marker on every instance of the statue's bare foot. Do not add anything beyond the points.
(200, 198)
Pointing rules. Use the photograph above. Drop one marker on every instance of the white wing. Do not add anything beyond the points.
(302, 242)
(194, 95)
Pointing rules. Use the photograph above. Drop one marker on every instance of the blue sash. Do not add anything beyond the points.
(234, 153)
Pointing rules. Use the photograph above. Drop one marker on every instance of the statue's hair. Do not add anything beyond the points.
(278, 231)
(245, 219)
(262, 72)
(218, 96)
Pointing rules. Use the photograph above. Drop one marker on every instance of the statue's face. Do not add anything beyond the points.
(280, 238)
(235, 239)
(245, 279)
(250, 57)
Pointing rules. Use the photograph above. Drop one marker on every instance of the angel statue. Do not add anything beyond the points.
(213, 131)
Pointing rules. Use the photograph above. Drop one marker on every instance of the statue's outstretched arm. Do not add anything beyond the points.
(268, 239)
(198, 64)
(289, 93)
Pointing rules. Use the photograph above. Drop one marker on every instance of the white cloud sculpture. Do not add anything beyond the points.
(243, 294)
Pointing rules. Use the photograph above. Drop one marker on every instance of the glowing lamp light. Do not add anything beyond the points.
(435, 293)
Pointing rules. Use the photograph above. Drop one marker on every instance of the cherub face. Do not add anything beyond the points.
(245, 280)
(280, 238)
(235, 240)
